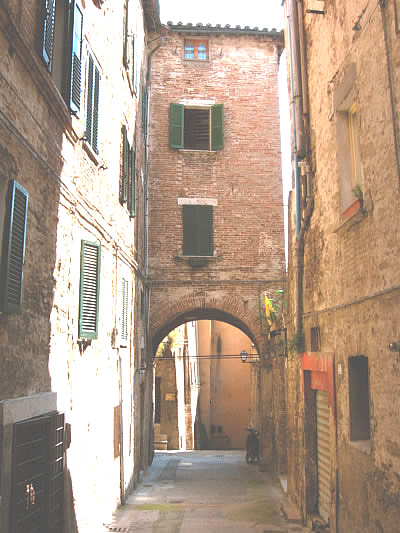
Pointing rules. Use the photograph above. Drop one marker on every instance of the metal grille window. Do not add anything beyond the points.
(89, 290)
(315, 339)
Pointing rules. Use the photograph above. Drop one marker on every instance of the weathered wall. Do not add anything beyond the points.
(74, 195)
(351, 274)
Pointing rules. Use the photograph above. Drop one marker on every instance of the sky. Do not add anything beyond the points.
(254, 13)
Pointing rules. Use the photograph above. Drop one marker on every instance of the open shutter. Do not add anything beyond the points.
(89, 290)
(89, 99)
(133, 65)
(125, 166)
(126, 32)
(14, 249)
(144, 109)
(132, 183)
(49, 11)
(96, 100)
(92, 103)
(176, 122)
(76, 59)
(217, 127)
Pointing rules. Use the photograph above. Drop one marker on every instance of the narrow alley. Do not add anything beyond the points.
(212, 491)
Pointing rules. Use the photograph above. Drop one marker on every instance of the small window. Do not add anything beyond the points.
(194, 128)
(196, 49)
(89, 290)
(92, 102)
(315, 339)
(198, 230)
(359, 398)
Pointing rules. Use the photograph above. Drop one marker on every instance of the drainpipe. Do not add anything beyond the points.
(382, 4)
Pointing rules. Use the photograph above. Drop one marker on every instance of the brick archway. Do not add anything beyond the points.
(171, 313)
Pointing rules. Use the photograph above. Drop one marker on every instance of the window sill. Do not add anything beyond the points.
(91, 153)
(193, 150)
(362, 445)
(197, 260)
(354, 214)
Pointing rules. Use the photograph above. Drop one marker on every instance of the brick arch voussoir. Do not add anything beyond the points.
(169, 311)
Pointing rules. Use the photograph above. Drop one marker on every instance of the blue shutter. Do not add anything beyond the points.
(14, 249)
(89, 290)
(48, 32)
(76, 59)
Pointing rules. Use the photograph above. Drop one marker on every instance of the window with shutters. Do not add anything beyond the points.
(61, 48)
(89, 290)
(359, 398)
(198, 230)
(15, 203)
(196, 49)
(92, 101)
(129, 49)
(128, 174)
(196, 128)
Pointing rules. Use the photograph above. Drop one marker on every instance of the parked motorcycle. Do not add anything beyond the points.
(252, 446)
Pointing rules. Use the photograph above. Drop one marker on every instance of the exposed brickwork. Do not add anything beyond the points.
(244, 178)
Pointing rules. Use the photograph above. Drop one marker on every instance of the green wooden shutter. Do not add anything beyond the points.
(12, 272)
(89, 290)
(176, 124)
(132, 182)
(124, 309)
(126, 44)
(124, 167)
(217, 127)
(76, 59)
(198, 230)
(49, 11)
(92, 103)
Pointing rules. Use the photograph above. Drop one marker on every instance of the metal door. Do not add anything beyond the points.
(37, 475)
(323, 455)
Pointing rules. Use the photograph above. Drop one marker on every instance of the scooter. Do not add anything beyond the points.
(252, 446)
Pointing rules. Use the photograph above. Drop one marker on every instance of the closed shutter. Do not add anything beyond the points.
(132, 182)
(124, 166)
(92, 103)
(48, 32)
(76, 59)
(89, 290)
(56, 474)
(14, 249)
(323, 455)
(124, 310)
(176, 123)
(217, 127)
(198, 230)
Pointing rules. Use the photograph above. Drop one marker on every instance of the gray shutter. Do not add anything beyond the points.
(76, 59)
(89, 290)
(124, 309)
(176, 123)
(14, 249)
(48, 32)
(217, 127)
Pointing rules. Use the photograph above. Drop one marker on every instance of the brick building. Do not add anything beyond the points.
(73, 299)
(344, 277)
(215, 193)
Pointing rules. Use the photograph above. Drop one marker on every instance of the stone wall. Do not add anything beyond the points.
(351, 276)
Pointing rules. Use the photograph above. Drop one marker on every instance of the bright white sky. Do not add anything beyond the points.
(260, 13)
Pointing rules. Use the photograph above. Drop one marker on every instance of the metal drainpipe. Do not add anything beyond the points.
(382, 4)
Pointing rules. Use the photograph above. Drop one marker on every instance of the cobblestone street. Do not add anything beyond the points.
(207, 491)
